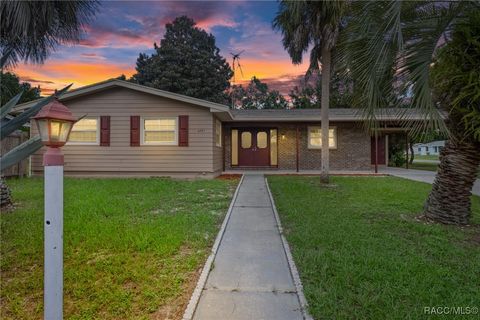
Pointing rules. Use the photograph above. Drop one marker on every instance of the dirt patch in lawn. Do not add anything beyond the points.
(174, 309)
(229, 177)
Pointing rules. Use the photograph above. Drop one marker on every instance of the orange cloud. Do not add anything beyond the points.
(279, 69)
(61, 73)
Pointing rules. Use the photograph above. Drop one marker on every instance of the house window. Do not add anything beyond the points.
(85, 131)
(218, 133)
(315, 138)
(160, 131)
(419, 149)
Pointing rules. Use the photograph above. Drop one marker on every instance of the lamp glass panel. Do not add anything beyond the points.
(42, 125)
(55, 128)
(66, 127)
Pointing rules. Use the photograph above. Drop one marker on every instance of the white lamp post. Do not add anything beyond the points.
(54, 123)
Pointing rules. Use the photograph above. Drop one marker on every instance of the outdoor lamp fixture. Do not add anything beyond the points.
(54, 124)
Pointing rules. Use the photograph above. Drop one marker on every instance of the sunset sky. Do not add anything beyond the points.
(123, 29)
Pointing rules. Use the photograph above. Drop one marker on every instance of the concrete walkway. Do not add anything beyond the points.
(422, 176)
(250, 276)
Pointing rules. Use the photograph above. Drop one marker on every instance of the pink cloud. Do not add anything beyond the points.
(103, 37)
(147, 21)
(93, 56)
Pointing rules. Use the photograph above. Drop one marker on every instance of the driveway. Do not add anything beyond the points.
(422, 176)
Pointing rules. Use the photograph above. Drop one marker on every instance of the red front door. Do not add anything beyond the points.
(254, 147)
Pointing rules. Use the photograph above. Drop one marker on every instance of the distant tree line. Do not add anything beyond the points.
(10, 86)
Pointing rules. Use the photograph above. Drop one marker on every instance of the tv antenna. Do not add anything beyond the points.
(236, 63)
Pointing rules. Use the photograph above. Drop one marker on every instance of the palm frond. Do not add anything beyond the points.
(19, 120)
(30, 30)
(368, 48)
(9, 105)
(388, 47)
(424, 34)
(20, 152)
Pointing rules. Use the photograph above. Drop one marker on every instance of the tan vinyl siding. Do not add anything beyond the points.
(120, 157)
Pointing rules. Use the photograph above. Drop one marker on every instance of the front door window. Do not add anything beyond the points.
(262, 140)
(246, 142)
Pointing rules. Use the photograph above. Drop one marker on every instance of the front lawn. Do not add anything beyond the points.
(362, 254)
(426, 157)
(133, 247)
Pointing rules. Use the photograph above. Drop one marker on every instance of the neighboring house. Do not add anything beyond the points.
(430, 148)
(134, 130)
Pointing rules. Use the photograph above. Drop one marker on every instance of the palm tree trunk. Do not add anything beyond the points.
(449, 200)
(5, 197)
(326, 66)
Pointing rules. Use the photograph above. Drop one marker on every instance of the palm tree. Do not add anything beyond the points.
(387, 43)
(456, 84)
(30, 30)
(315, 25)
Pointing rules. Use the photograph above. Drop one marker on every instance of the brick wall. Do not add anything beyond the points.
(352, 152)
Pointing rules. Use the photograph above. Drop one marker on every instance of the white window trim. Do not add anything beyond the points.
(97, 136)
(142, 132)
(217, 143)
(319, 127)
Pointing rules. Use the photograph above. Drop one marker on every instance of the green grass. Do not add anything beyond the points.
(132, 247)
(426, 157)
(430, 167)
(362, 254)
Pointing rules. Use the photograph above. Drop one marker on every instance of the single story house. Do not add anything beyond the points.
(134, 130)
(428, 148)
